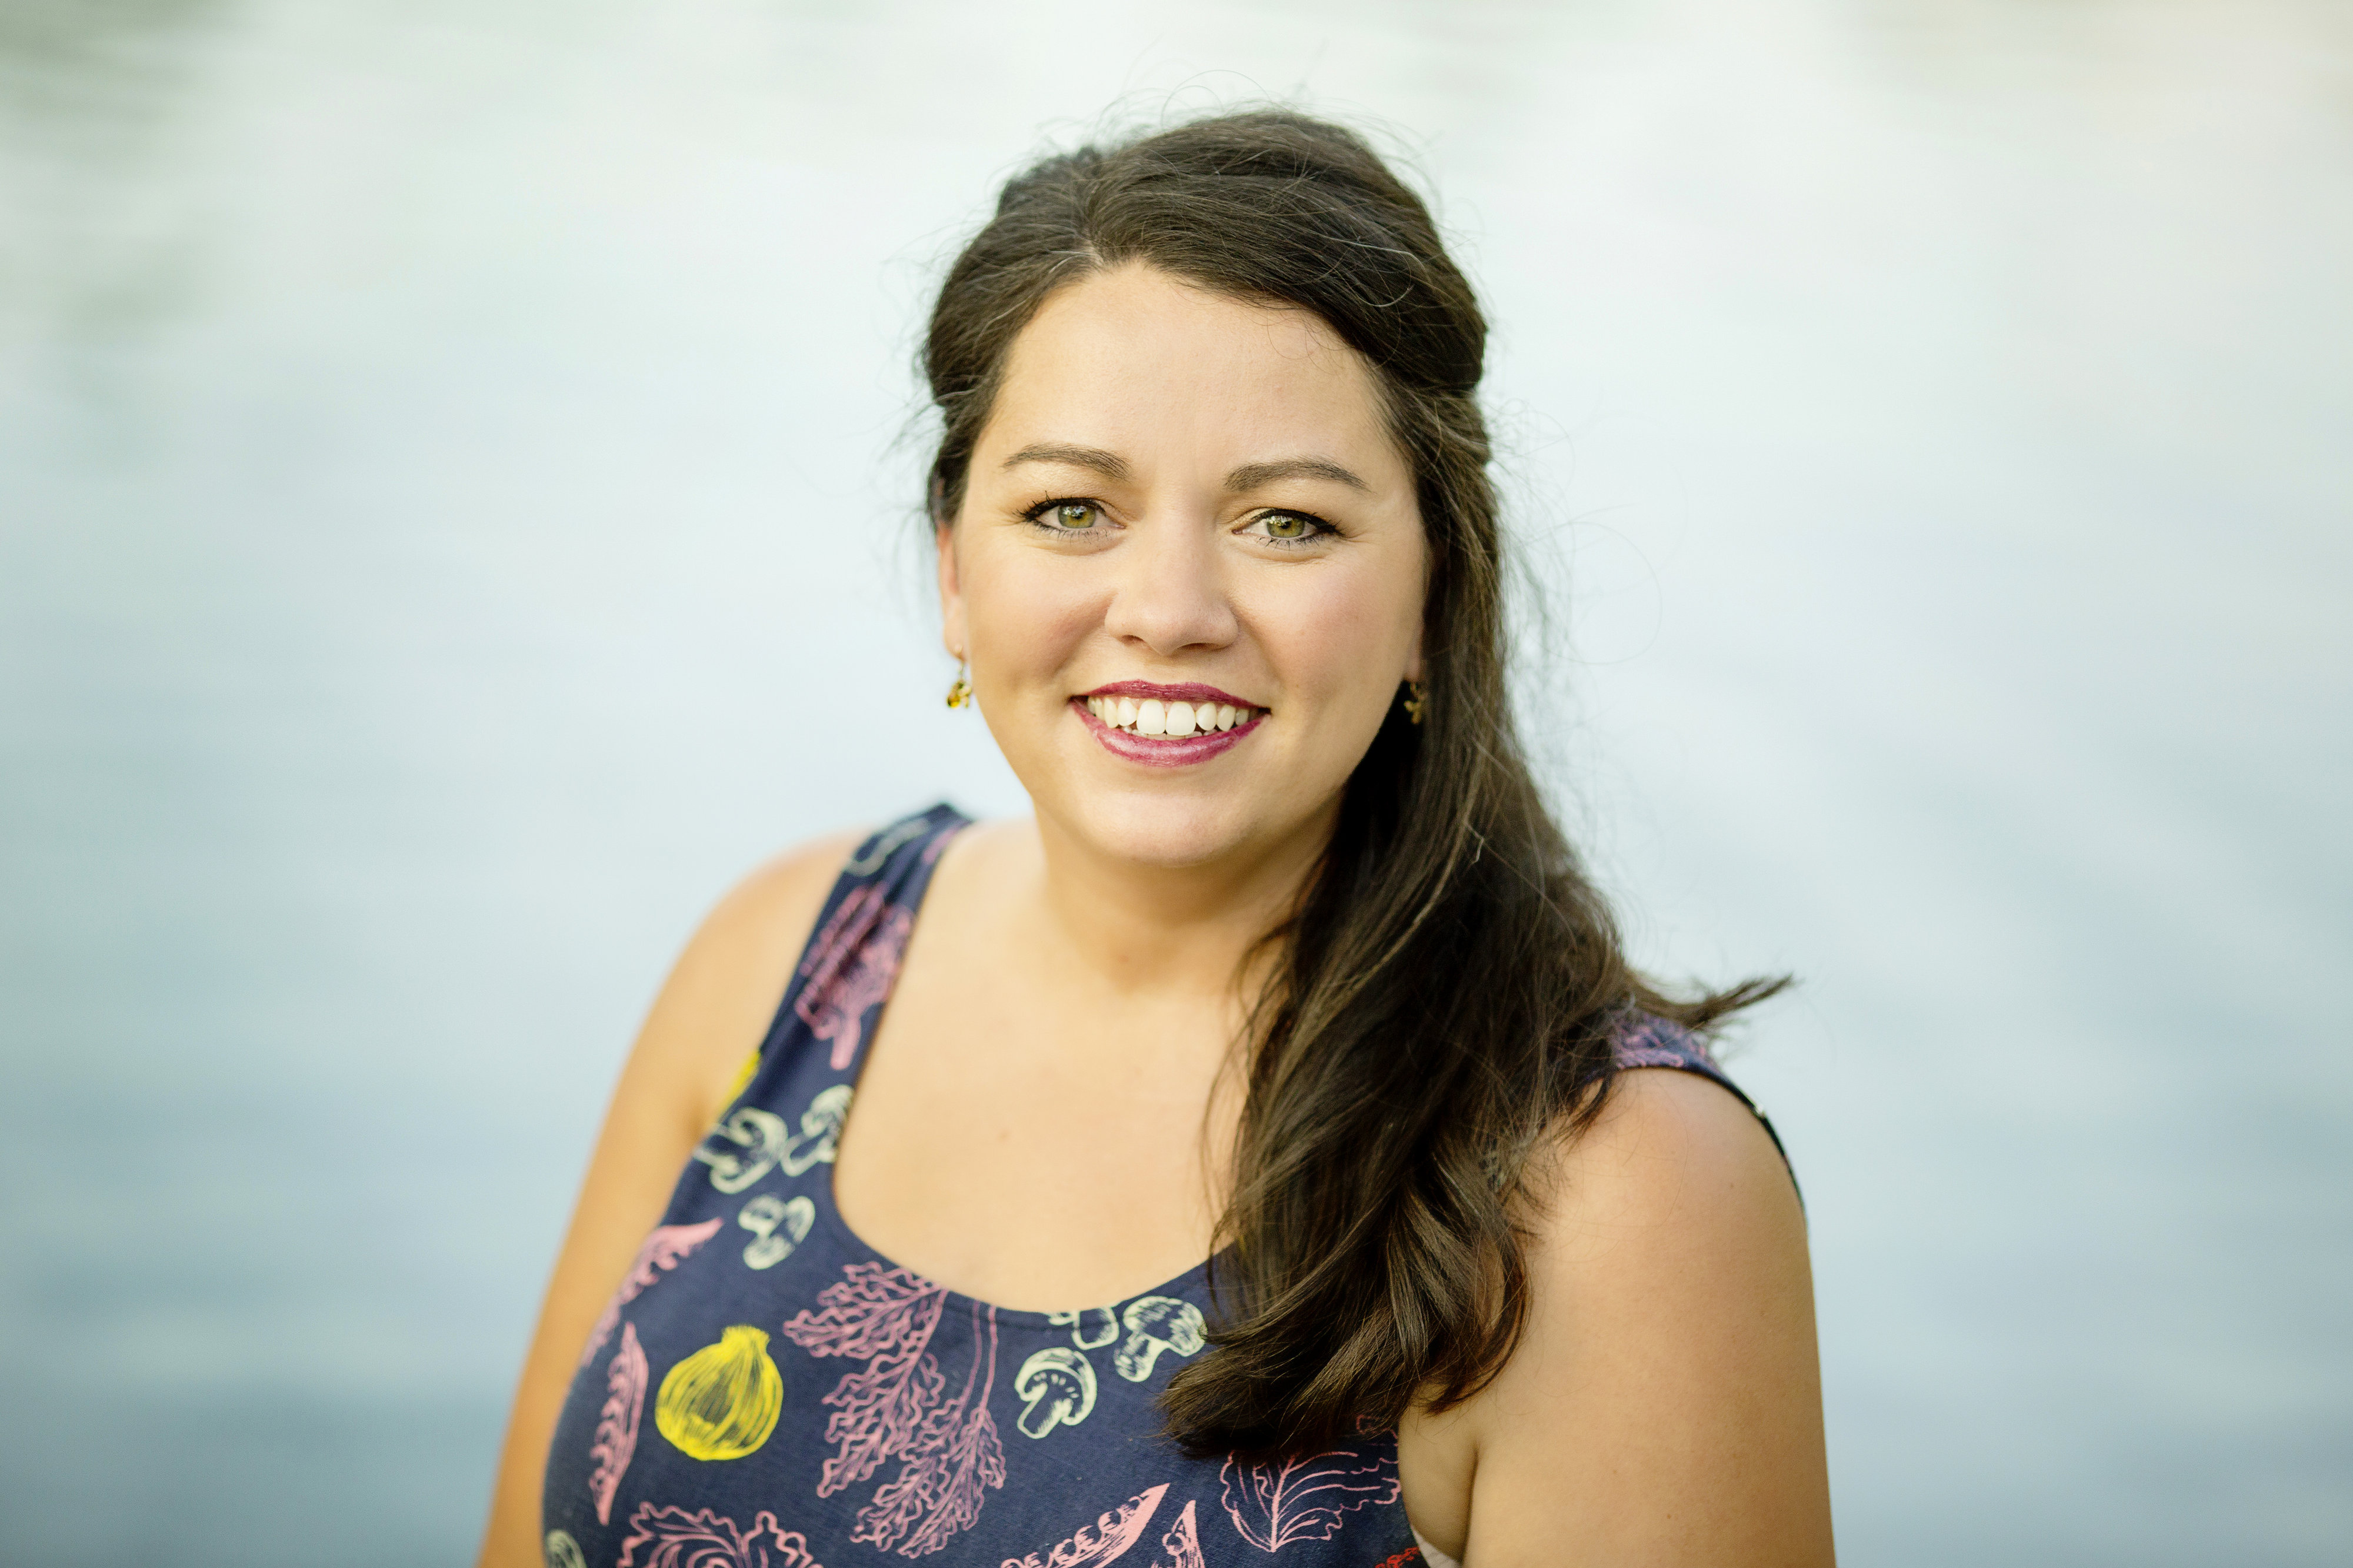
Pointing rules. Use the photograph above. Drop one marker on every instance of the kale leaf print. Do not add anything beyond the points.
(1303, 1498)
(938, 1490)
(616, 1424)
(884, 1317)
(949, 1451)
(850, 966)
(705, 1538)
(665, 1248)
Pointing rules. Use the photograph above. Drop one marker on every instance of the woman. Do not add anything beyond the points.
(1252, 1159)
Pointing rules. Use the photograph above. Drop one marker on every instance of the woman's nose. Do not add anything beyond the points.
(1171, 594)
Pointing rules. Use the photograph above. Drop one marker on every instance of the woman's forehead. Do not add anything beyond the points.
(1135, 355)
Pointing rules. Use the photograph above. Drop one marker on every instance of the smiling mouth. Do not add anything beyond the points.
(1175, 719)
(1159, 726)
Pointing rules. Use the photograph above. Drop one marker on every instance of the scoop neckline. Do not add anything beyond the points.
(1191, 1286)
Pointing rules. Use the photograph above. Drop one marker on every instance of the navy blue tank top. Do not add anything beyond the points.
(765, 1390)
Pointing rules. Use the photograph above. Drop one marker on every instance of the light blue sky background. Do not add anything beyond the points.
(454, 519)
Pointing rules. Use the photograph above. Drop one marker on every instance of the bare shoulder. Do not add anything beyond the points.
(722, 995)
(711, 1013)
(1673, 1162)
(1664, 1404)
(775, 906)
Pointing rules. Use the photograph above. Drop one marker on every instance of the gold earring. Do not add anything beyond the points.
(1415, 701)
(960, 693)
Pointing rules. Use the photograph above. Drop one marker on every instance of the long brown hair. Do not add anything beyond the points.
(1446, 989)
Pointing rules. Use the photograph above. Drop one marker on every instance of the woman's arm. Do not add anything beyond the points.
(713, 1011)
(1664, 1406)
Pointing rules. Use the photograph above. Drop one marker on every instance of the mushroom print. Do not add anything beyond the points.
(1059, 1387)
(1090, 1329)
(820, 1130)
(777, 1226)
(1155, 1323)
(743, 1148)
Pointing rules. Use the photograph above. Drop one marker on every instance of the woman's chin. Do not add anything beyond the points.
(1167, 831)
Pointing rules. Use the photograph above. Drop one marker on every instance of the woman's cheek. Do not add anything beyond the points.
(1333, 632)
(1029, 615)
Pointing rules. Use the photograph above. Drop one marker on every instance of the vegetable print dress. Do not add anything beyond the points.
(765, 1390)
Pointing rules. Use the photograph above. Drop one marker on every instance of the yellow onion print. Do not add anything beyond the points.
(721, 1402)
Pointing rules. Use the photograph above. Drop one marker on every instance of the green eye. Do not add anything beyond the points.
(1289, 527)
(1073, 514)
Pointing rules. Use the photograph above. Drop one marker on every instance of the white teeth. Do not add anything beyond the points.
(1153, 717)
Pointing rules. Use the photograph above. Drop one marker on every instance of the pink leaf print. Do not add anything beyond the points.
(1650, 1041)
(937, 1491)
(1109, 1536)
(850, 966)
(616, 1423)
(1183, 1542)
(949, 1452)
(932, 852)
(1303, 1498)
(707, 1540)
(954, 1458)
(665, 1249)
(887, 1316)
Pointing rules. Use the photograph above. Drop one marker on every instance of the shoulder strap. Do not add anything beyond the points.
(1645, 1040)
(852, 955)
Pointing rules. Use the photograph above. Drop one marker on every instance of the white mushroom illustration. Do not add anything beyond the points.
(1059, 1388)
(777, 1224)
(820, 1130)
(1090, 1330)
(757, 1138)
(1155, 1323)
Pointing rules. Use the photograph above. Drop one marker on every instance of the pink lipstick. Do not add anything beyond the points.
(1165, 725)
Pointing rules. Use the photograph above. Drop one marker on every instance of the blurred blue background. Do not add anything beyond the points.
(456, 515)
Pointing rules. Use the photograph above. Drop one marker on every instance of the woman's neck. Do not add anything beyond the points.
(1139, 930)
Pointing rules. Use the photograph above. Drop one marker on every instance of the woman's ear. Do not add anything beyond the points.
(952, 627)
(1421, 618)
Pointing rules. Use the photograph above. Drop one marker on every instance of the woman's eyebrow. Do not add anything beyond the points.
(1110, 465)
(1250, 476)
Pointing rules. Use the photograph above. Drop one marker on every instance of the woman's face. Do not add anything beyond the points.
(1185, 515)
